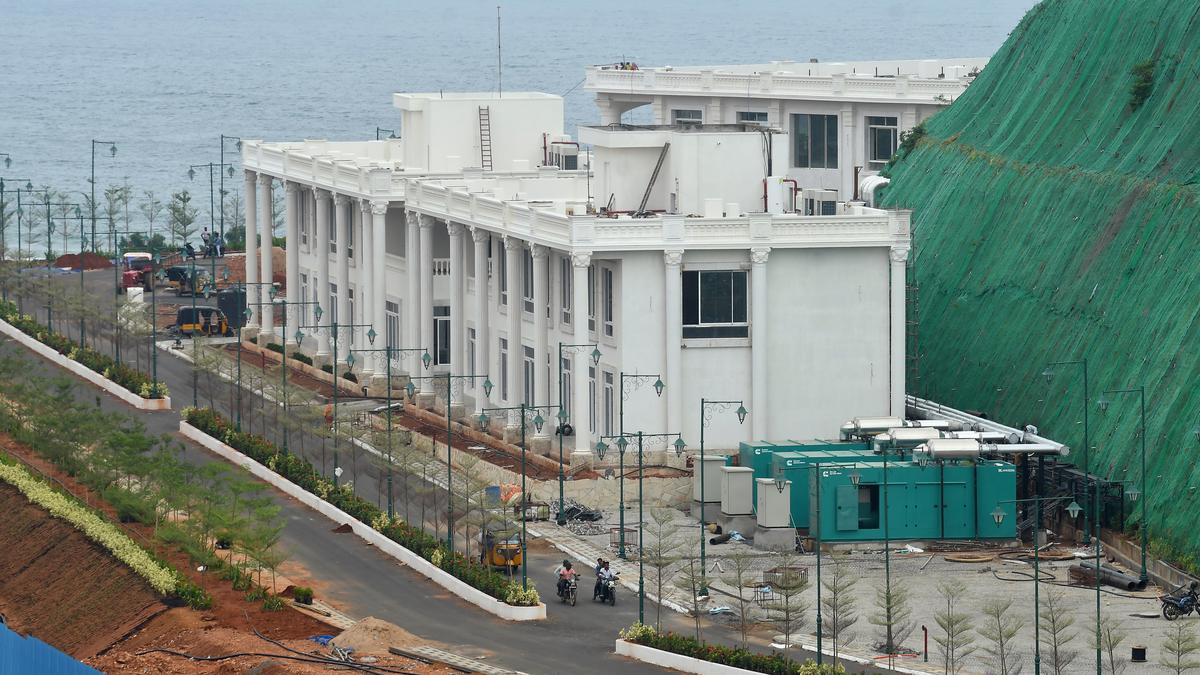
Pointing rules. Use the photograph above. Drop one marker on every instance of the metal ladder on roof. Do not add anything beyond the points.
(641, 211)
(485, 137)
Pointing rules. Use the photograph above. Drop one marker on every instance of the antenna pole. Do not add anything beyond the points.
(499, 60)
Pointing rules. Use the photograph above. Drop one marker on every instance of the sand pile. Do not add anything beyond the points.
(374, 636)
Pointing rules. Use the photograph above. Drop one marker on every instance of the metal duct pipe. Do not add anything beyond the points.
(902, 438)
(1110, 576)
(1025, 449)
(869, 425)
(970, 448)
(986, 436)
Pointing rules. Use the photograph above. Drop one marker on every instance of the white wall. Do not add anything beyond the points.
(442, 134)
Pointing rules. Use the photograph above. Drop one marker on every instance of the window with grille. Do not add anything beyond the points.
(815, 141)
(715, 304)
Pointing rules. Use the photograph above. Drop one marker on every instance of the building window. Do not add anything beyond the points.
(687, 117)
(504, 369)
(592, 399)
(565, 288)
(752, 117)
(815, 141)
(882, 136)
(592, 298)
(303, 285)
(350, 225)
(441, 334)
(391, 311)
(609, 403)
(302, 214)
(316, 299)
(527, 280)
(503, 285)
(606, 290)
(333, 230)
(529, 364)
(714, 304)
(471, 351)
(333, 303)
(565, 396)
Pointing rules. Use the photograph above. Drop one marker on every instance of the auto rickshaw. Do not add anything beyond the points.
(208, 321)
(182, 279)
(500, 547)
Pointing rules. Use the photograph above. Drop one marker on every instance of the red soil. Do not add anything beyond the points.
(91, 261)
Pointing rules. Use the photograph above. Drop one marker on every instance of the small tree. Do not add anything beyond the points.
(893, 617)
(1111, 636)
(838, 603)
(741, 568)
(788, 610)
(1180, 645)
(1000, 628)
(181, 217)
(690, 580)
(659, 553)
(956, 641)
(1057, 634)
(151, 208)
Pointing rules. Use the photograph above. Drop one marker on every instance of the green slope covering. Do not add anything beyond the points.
(1058, 217)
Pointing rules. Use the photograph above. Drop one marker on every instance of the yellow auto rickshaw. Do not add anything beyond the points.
(500, 547)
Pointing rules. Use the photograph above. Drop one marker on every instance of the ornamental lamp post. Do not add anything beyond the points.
(229, 170)
(538, 422)
(1145, 526)
(449, 379)
(212, 214)
(112, 151)
(622, 443)
(998, 516)
(563, 417)
(388, 352)
(707, 409)
(629, 382)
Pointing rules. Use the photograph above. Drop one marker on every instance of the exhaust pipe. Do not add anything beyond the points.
(1110, 576)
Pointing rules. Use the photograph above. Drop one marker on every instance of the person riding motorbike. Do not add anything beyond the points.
(565, 575)
(605, 575)
(598, 568)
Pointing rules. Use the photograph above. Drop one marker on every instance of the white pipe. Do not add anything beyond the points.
(969, 448)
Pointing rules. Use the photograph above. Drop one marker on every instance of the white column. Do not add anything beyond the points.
(514, 250)
(378, 278)
(676, 392)
(541, 383)
(266, 225)
(320, 248)
(342, 221)
(758, 341)
(846, 154)
(898, 353)
(581, 359)
(483, 343)
(251, 259)
(366, 284)
(291, 205)
(412, 303)
(425, 313)
(458, 314)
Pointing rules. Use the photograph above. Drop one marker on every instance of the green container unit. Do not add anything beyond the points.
(938, 501)
(758, 455)
(795, 466)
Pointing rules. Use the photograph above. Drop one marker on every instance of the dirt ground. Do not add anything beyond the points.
(90, 261)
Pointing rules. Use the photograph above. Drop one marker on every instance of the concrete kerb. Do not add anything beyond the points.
(687, 664)
(367, 533)
(84, 372)
(843, 656)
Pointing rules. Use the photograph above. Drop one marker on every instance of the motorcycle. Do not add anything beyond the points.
(608, 591)
(1174, 606)
(569, 593)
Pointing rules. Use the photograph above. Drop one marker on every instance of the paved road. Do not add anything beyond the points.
(362, 582)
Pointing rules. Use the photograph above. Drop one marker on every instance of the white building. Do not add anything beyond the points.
(802, 317)
(840, 119)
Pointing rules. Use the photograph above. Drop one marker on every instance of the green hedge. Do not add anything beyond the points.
(735, 657)
(294, 354)
(129, 378)
(299, 471)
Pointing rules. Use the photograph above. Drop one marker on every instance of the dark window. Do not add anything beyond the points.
(882, 135)
(714, 304)
(752, 116)
(868, 507)
(815, 141)
(441, 335)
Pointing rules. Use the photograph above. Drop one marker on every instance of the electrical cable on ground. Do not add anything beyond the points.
(310, 659)
(296, 651)
(1029, 577)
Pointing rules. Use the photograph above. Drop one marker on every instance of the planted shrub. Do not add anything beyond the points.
(303, 595)
(301, 357)
(272, 603)
(195, 596)
(735, 657)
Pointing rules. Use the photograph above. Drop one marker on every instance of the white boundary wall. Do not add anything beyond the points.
(83, 371)
(366, 532)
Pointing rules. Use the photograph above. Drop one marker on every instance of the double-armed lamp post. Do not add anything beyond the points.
(528, 414)
(389, 355)
(629, 382)
(450, 380)
(564, 416)
(708, 408)
(623, 443)
(112, 152)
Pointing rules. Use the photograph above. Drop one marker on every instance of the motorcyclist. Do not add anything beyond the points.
(604, 575)
(598, 568)
(565, 574)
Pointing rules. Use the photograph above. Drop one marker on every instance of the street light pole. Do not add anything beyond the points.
(635, 382)
(450, 379)
(113, 153)
(561, 518)
(238, 145)
(707, 409)
(1145, 527)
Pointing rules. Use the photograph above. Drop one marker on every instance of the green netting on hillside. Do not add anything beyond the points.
(1054, 219)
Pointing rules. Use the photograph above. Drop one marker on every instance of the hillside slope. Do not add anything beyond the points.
(1057, 218)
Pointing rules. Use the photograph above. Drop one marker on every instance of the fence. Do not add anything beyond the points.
(20, 654)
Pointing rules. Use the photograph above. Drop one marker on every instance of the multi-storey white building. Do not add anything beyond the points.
(802, 317)
(841, 120)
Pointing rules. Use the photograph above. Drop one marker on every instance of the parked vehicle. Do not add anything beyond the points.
(501, 548)
(138, 271)
(187, 280)
(208, 321)
(1175, 605)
